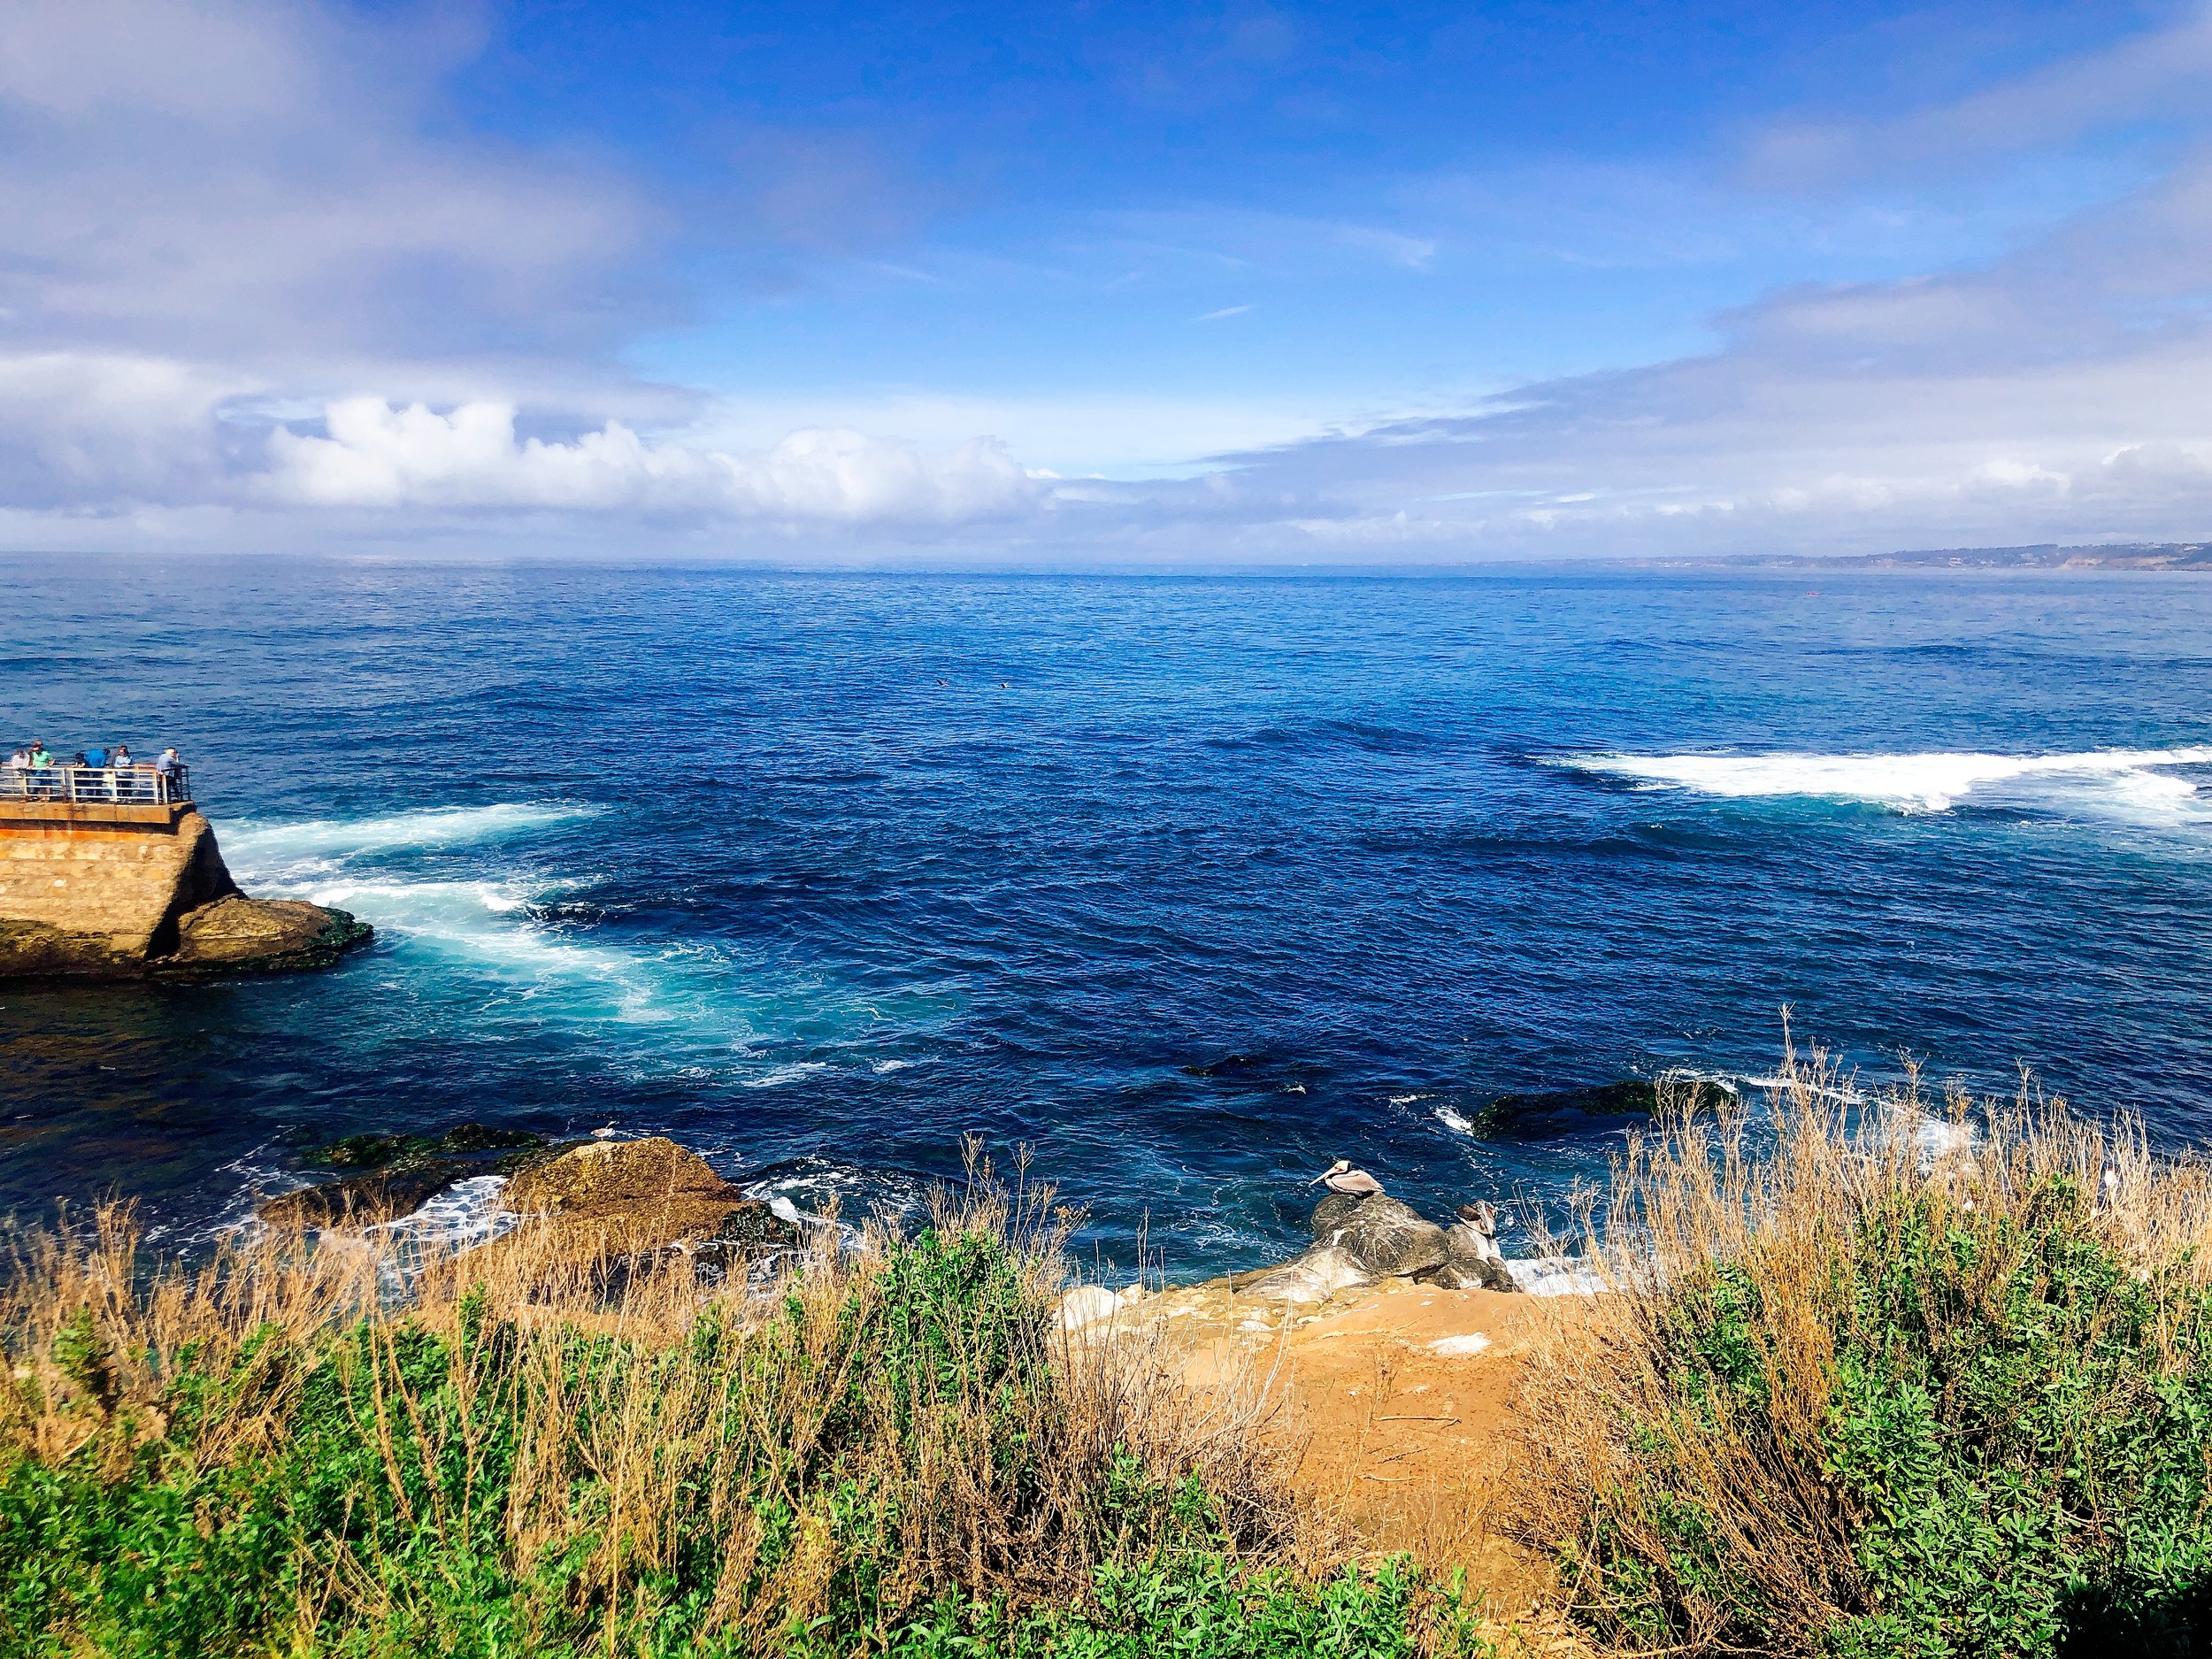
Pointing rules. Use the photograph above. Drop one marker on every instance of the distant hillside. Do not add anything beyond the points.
(2130, 555)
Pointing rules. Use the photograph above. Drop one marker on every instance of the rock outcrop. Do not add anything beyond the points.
(1386, 1238)
(237, 934)
(1315, 1275)
(1359, 1241)
(1472, 1260)
(127, 892)
(628, 1196)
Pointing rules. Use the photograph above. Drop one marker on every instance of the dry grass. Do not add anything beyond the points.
(1682, 1433)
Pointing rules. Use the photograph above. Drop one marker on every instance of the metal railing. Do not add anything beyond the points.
(96, 786)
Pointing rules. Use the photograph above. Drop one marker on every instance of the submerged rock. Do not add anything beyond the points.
(1551, 1113)
(398, 1174)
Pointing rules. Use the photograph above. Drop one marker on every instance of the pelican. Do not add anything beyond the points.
(1340, 1177)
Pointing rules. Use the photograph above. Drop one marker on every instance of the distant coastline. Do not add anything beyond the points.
(2126, 555)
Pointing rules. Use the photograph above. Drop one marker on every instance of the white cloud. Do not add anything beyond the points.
(381, 456)
(217, 214)
(253, 182)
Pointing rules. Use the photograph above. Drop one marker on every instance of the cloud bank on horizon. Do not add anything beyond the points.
(1442, 286)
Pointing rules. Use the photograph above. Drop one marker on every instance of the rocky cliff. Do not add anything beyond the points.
(137, 891)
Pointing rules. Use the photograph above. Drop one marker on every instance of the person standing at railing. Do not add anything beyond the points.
(122, 756)
(41, 758)
(95, 758)
(21, 761)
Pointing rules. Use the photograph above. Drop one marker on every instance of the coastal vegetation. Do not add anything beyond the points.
(1884, 1377)
(291, 1448)
(1868, 1375)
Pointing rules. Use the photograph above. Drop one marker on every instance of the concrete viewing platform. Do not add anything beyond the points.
(18, 809)
(112, 873)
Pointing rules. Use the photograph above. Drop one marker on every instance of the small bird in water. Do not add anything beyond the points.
(1340, 1177)
(603, 1135)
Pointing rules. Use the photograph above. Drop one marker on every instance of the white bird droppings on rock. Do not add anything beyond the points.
(1450, 1346)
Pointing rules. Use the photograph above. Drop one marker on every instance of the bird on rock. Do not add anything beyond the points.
(1340, 1177)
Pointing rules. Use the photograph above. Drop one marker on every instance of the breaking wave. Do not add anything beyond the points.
(290, 851)
(2131, 783)
(472, 921)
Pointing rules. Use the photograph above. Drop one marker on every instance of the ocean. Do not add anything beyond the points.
(1175, 888)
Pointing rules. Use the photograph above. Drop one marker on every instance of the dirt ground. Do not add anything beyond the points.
(1398, 1405)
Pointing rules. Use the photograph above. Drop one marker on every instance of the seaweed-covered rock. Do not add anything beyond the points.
(376, 1152)
(397, 1173)
(1552, 1113)
(751, 1222)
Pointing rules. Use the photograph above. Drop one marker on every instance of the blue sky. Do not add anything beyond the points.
(1150, 283)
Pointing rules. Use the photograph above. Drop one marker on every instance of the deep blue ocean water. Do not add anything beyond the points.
(1189, 885)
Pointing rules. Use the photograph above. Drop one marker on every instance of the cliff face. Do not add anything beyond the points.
(130, 892)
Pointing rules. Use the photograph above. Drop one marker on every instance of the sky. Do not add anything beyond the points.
(1103, 284)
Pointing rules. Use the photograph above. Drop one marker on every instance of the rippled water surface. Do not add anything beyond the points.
(1190, 885)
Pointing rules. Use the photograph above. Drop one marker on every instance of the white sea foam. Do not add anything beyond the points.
(466, 1214)
(1553, 1275)
(276, 851)
(776, 1076)
(486, 925)
(446, 895)
(2127, 783)
(1780, 1084)
(1454, 1121)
